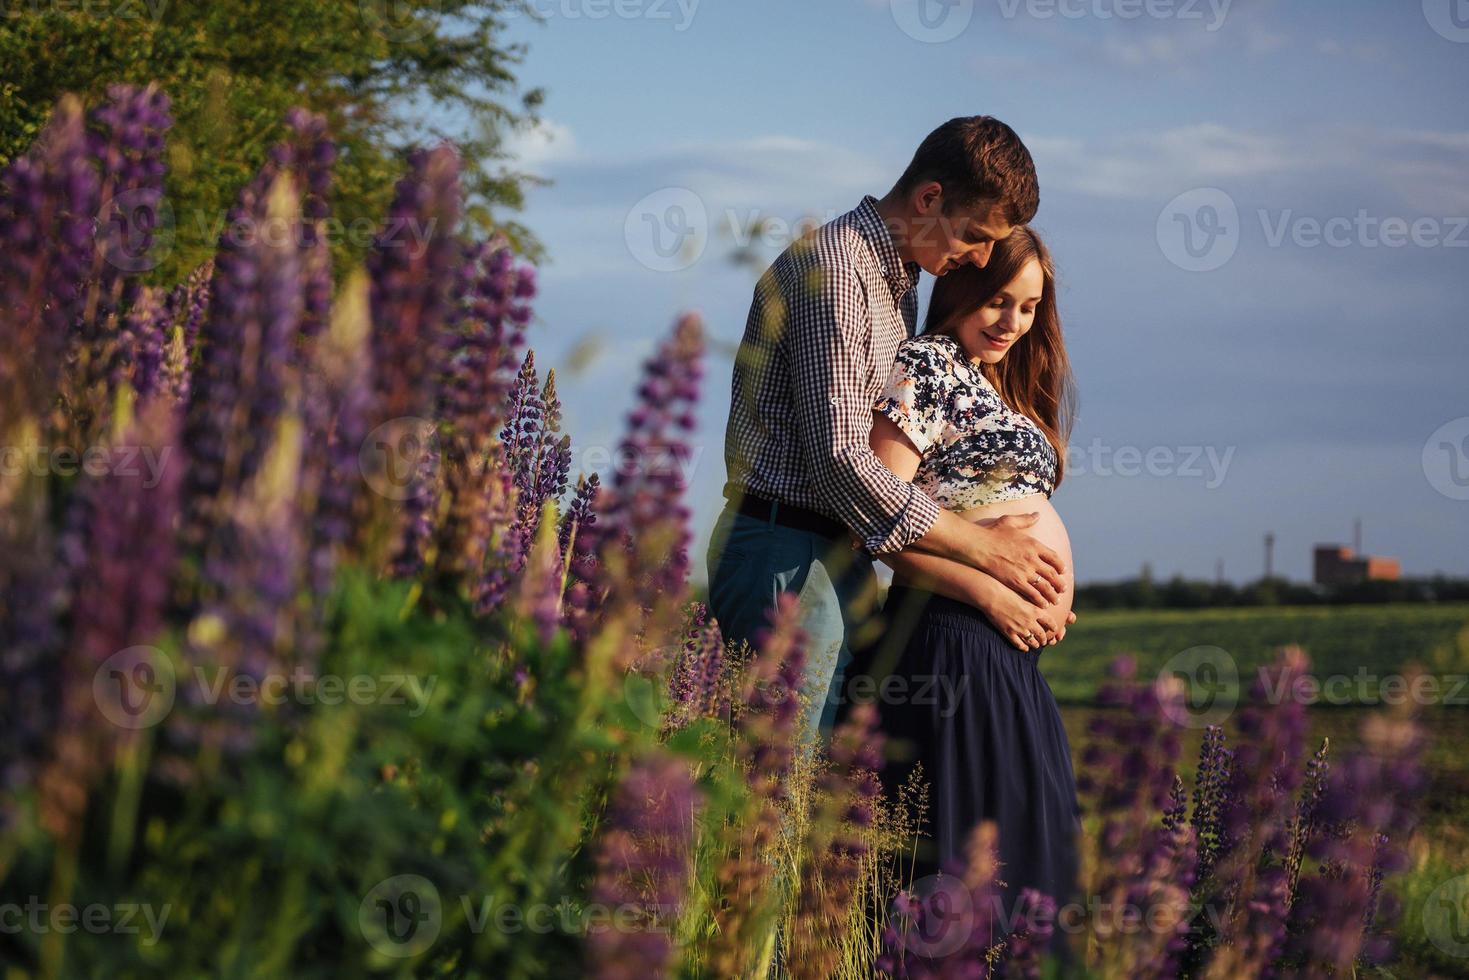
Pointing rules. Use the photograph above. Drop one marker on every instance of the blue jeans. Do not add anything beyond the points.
(751, 562)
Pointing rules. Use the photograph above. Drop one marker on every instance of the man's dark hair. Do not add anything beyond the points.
(977, 159)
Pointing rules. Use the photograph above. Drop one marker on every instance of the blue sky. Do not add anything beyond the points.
(1304, 365)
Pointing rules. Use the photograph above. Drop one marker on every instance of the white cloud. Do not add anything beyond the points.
(1137, 165)
(1002, 64)
(1419, 169)
(1259, 41)
(546, 143)
(1358, 51)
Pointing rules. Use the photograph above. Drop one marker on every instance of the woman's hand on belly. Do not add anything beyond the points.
(1026, 625)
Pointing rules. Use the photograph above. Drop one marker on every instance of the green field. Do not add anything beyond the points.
(1343, 641)
(1360, 645)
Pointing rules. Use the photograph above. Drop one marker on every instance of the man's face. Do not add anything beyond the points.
(942, 242)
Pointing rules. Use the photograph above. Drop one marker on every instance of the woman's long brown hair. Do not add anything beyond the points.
(1034, 377)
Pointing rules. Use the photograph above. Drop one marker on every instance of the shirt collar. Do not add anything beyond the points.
(901, 275)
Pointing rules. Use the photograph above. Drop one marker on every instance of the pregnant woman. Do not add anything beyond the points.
(974, 413)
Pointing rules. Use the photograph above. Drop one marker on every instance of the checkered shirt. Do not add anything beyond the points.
(822, 334)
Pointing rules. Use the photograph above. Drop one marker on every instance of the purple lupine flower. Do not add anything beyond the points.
(680, 683)
(245, 436)
(580, 513)
(1302, 827)
(480, 519)
(50, 265)
(142, 344)
(335, 409)
(117, 603)
(494, 308)
(336, 406)
(1177, 810)
(644, 863)
(413, 267)
(48, 204)
(32, 595)
(244, 376)
(246, 626)
(696, 684)
(247, 318)
(1249, 873)
(509, 546)
(554, 467)
(183, 313)
(194, 302)
(313, 154)
(1027, 946)
(413, 264)
(949, 933)
(1383, 860)
(127, 141)
(770, 700)
(521, 435)
(417, 514)
(308, 154)
(844, 794)
(538, 456)
(577, 539)
(541, 588)
(547, 479)
(533, 444)
(710, 695)
(538, 598)
(766, 734)
(1129, 777)
(1211, 777)
(1368, 801)
(642, 533)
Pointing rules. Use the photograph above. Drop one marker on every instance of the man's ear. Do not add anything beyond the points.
(928, 198)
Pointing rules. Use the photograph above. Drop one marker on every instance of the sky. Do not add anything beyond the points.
(1259, 212)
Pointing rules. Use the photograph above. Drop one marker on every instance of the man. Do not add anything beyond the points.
(823, 331)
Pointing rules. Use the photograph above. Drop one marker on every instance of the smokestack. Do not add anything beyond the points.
(1269, 553)
(1357, 537)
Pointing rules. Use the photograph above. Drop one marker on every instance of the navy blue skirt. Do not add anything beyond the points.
(956, 697)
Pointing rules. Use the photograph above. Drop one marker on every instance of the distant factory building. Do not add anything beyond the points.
(1339, 564)
(1336, 564)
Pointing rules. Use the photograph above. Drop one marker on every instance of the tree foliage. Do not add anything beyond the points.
(388, 74)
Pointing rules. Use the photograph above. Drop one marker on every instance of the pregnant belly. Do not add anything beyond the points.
(1048, 529)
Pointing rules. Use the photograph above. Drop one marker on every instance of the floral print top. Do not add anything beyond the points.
(976, 449)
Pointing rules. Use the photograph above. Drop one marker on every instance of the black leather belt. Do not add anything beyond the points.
(789, 515)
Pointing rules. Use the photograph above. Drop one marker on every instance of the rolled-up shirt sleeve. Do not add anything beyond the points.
(828, 342)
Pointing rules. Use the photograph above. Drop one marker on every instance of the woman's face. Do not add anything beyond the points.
(990, 331)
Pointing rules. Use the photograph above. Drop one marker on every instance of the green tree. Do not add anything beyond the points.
(388, 74)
